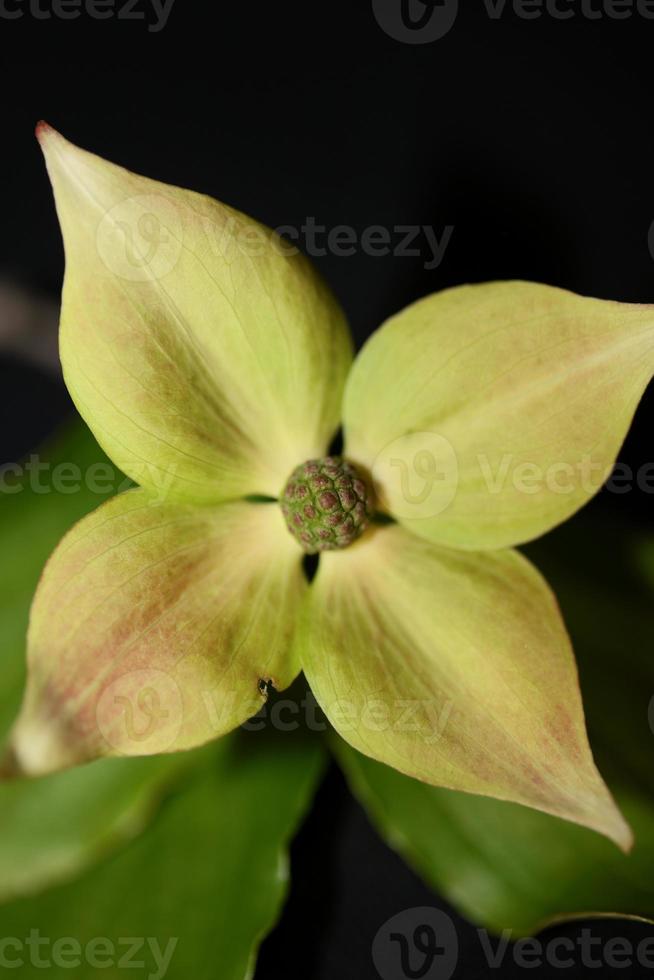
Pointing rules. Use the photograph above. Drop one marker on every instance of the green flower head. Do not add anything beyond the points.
(326, 504)
(215, 368)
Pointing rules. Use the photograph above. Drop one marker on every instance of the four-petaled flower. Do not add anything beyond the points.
(214, 368)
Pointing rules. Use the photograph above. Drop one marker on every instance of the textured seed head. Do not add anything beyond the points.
(326, 504)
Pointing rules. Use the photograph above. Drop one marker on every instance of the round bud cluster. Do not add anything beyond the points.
(326, 504)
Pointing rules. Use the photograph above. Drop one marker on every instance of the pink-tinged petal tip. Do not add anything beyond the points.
(42, 130)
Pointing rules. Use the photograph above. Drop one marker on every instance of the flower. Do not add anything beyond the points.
(214, 368)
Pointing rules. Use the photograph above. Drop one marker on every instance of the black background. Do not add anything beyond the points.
(533, 138)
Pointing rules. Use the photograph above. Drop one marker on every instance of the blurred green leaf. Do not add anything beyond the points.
(506, 866)
(52, 828)
(202, 886)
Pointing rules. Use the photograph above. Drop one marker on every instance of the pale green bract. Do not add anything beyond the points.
(210, 363)
(507, 867)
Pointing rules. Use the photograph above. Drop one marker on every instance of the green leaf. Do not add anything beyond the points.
(509, 867)
(52, 828)
(488, 414)
(206, 355)
(455, 668)
(205, 883)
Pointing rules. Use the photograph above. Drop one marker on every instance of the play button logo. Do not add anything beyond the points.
(416, 21)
